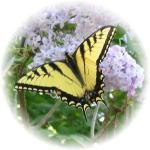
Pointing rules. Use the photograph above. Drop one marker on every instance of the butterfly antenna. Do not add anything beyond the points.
(105, 104)
(84, 114)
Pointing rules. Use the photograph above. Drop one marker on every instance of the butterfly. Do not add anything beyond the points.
(78, 79)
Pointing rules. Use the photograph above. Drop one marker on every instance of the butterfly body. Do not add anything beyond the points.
(78, 79)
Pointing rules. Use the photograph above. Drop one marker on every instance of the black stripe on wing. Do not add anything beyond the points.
(89, 44)
(45, 70)
(70, 62)
(100, 77)
(109, 38)
(94, 38)
(82, 51)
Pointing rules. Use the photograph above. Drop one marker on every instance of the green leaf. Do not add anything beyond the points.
(43, 34)
(118, 100)
(119, 37)
(57, 28)
(38, 105)
(59, 42)
(120, 42)
(19, 60)
(120, 32)
(69, 26)
(20, 42)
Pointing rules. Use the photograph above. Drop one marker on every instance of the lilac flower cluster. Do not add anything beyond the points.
(120, 69)
(40, 32)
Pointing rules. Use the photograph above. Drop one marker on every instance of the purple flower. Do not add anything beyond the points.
(121, 71)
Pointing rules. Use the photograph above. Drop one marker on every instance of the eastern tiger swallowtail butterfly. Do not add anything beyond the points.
(77, 79)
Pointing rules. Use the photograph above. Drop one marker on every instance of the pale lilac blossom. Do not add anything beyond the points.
(121, 71)
(40, 35)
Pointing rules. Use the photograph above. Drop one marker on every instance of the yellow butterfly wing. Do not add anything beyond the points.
(90, 53)
(53, 76)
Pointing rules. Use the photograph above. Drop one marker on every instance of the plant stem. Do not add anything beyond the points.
(94, 120)
(125, 110)
(49, 114)
(106, 125)
(115, 123)
(23, 111)
(21, 96)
